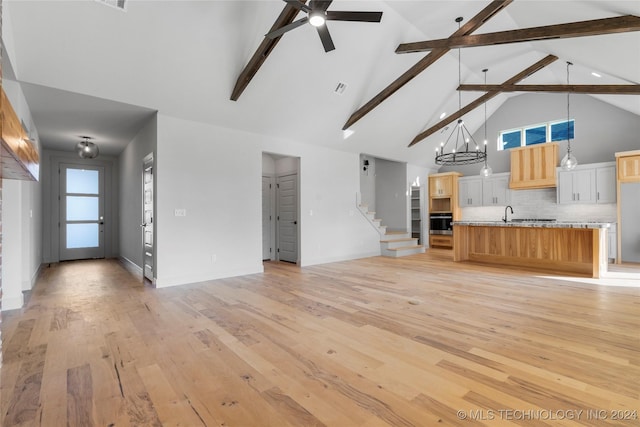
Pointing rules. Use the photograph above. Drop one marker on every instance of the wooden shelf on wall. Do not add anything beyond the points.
(20, 156)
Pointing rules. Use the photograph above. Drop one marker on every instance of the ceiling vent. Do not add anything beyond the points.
(118, 4)
(340, 88)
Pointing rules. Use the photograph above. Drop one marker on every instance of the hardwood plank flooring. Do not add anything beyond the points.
(417, 341)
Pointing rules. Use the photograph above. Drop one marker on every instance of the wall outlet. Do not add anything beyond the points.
(214, 258)
(180, 212)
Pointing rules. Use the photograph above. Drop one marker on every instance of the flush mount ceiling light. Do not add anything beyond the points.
(569, 161)
(87, 149)
(460, 154)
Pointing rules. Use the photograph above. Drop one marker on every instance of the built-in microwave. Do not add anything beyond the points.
(440, 223)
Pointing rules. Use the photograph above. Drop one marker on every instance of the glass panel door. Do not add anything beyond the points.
(81, 212)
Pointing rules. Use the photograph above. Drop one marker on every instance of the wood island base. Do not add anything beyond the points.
(561, 250)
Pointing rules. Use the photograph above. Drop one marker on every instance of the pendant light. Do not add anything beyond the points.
(87, 149)
(569, 161)
(460, 153)
(486, 169)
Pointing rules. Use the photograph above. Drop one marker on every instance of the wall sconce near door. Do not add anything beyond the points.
(365, 165)
(87, 149)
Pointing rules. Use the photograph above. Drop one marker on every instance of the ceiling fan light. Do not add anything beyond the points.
(317, 19)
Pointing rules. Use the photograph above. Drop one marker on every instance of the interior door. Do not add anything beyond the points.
(287, 188)
(147, 217)
(266, 218)
(81, 212)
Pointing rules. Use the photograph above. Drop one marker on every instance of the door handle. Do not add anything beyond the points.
(295, 222)
(143, 224)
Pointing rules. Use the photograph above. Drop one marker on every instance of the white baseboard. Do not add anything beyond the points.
(131, 266)
(327, 260)
(12, 302)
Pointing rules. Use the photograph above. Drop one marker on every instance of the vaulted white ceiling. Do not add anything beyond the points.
(182, 58)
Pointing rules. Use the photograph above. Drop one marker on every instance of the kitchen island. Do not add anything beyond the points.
(557, 246)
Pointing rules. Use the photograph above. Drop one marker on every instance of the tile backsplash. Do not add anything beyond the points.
(542, 204)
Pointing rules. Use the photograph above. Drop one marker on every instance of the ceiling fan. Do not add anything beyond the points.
(317, 15)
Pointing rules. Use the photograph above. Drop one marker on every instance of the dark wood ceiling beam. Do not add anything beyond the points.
(286, 17)
(592, 89)
(596, 27)
(471, 25)
(487, 96)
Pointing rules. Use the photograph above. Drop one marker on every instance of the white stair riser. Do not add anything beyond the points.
(398, 244)
(395, 236)
(401, 253)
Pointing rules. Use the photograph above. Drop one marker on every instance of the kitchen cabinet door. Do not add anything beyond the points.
(578, 186)
(470, 192)
(495, 191)
(606, 184)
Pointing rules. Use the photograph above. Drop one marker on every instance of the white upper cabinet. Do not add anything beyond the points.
(495, 190)
(470, 191)
(606, 184)
(591, 183)
(479, 191)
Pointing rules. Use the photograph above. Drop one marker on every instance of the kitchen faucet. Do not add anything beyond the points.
(505, 213)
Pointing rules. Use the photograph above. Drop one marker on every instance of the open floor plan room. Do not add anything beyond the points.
(417, 341)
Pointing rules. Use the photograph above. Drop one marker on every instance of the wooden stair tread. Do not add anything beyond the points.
(403, 239)
(402, 248)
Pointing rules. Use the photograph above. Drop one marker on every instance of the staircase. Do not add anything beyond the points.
(392, 243)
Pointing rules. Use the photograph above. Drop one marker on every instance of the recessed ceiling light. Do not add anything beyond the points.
(347, 133)
(442, 116)
(594, 74)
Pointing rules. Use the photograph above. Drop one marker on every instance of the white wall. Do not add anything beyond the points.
(391, 194)
(130, 197)
(215, 174)
(21, 244)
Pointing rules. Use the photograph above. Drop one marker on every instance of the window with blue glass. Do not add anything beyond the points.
(511, 139)
(535, 135)
(559, 130)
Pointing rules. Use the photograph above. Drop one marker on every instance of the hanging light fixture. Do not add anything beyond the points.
(486, 169)
(569, 161)
(87, 149)
(460, 154)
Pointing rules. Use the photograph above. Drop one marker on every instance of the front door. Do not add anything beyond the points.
(287, 187)
(147, 217)
(81, 212)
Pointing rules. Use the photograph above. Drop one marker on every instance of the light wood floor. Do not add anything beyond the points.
(372, 342)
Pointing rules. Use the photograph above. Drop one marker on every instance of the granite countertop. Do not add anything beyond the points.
(537, 224)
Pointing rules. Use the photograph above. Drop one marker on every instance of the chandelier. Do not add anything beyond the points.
(463, 152)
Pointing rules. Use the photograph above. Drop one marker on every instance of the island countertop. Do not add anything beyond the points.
(536, 224)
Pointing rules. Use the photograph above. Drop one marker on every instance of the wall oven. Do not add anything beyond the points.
(440, 223)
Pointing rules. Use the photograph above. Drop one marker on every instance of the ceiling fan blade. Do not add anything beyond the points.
(280, 31)
(325, 37)
(354, 16)
(298, 5)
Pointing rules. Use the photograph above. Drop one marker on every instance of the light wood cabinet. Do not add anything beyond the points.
(628, 164)
(534, 166)
(441, 185)
(443, 197)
